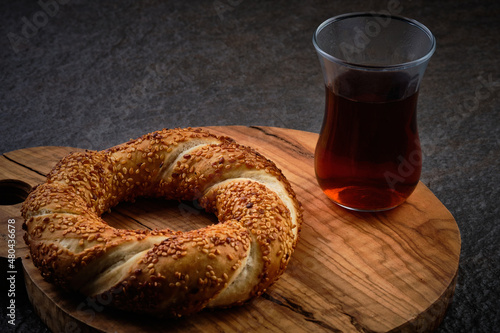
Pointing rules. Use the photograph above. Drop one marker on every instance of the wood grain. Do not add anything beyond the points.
(351, 272)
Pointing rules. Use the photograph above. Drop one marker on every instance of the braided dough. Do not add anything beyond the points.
(165, 272)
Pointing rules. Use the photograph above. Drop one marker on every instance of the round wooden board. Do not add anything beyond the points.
(351, 272)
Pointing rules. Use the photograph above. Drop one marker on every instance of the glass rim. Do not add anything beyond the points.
(355, 65)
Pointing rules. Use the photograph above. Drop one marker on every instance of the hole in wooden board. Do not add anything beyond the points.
(154, 213)
(13, 191)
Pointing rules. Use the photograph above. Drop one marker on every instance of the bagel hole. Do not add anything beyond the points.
(154, 213)
(13, 191)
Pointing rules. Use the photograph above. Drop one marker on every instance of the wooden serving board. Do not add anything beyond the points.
(351, 272)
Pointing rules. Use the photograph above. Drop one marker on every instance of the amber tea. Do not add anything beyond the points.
(368, 156)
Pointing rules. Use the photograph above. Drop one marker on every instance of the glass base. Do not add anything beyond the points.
(365, 210)
(365, 198)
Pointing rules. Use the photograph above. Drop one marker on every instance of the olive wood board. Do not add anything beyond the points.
(351, 272)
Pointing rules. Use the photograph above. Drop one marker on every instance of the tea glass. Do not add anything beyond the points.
(368, 156)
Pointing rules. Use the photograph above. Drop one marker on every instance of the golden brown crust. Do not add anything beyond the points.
(165, 272)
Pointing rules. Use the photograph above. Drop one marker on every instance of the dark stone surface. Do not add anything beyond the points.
(94, 74)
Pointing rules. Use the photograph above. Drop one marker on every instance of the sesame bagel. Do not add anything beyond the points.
(165, 272)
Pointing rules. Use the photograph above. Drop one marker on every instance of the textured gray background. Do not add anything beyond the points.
(96, 74)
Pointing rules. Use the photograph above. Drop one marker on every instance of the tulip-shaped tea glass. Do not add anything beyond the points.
(368, 155)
